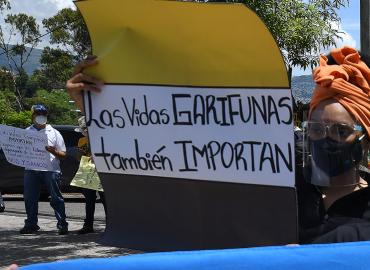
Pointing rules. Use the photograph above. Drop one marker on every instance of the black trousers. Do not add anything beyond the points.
(90, 198)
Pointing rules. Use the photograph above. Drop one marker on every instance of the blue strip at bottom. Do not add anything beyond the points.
(343, 256)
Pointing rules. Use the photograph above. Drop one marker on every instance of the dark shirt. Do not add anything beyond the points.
(347, 219)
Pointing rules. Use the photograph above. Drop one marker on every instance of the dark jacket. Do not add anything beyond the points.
(347, 219)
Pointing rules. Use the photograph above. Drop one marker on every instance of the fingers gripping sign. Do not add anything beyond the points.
(82, 82)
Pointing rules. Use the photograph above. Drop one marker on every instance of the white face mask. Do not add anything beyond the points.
(41, 119)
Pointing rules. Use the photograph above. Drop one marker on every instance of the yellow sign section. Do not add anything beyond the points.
(182, 43)
(87, 176)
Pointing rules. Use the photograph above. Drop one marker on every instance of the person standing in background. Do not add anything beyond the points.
(51, 178)
(90, 194)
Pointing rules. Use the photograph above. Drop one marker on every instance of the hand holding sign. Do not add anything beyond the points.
(55, 152)
(81, 81)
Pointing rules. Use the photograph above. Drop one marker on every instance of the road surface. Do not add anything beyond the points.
(47, 245)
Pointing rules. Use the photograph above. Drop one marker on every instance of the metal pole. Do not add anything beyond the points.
(365, 26)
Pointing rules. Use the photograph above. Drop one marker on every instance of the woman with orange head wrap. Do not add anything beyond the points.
(338, 141)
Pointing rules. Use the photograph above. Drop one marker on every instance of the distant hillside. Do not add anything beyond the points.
(302, 88)
(32, 63)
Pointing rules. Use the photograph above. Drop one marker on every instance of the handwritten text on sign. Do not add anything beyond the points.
(24, 148)
(229, 135)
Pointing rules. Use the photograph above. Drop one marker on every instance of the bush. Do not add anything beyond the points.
(61, 111)
(18, 119)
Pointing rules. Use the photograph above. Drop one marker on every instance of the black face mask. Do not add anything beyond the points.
(335, 158)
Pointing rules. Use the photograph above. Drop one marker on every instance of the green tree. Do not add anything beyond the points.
(18, 119)
(6, 100)
(33, 84)
(8, 115)
(56, 69)
(69, 32)
(19, 35)
(6, 80)
(61, 111)
(21, 81)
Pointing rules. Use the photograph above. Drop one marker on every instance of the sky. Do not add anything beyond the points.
(350, 17)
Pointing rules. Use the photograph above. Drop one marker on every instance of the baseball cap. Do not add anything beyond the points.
(39, 109)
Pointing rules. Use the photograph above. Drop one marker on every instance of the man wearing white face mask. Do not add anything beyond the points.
(51, 178)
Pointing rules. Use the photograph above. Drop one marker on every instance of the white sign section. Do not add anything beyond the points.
(24, 148)
(214, 134)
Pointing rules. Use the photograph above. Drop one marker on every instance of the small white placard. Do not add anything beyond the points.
(216, 134)
(25, 148)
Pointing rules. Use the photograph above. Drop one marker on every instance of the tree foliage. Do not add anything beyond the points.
(69, 33)
(8, 115)
(61, 111)
(56, 69)
(19, 35)
(4, 4)
(18, 119)
(68, 30)
(6, 80)
(7, 102)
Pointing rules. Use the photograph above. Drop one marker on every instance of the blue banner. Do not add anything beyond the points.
(343, 256)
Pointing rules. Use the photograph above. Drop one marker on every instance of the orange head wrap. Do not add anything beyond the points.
(347, 82)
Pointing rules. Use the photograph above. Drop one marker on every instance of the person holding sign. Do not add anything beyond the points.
(51, 177)
(87, 179)
(335, 206)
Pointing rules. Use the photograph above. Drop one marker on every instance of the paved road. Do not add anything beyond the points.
(47, 245)
(75, 209)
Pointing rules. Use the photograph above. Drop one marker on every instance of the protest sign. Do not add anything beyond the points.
(25, 148)
(245, 123)
(193, 128)
(87, 176)
(230, 135)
